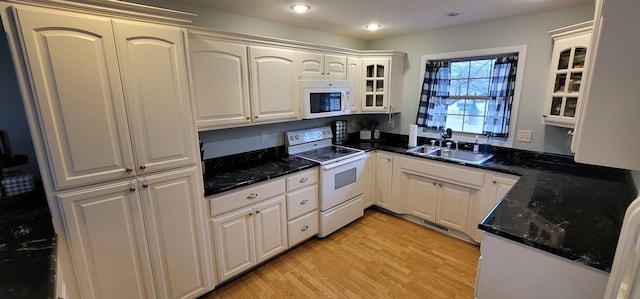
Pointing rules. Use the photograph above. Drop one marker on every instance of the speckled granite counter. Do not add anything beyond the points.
(27, 253)
(569, 209)
(236, 171)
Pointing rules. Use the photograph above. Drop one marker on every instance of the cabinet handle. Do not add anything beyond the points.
(303, 180)
(304, 228)
(131, 189)
(434, 183)
(495, 182)
(255, 116)
(145, 185)
(252, 196)
(129, 170)
(143, 167)
(304, 201)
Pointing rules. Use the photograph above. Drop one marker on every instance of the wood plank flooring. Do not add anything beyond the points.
(378, 256)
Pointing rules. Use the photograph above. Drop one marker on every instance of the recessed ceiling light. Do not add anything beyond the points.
(300, 8)
(453, 13)
(373, 27)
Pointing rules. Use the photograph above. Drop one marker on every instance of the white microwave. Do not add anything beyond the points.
(324, 99)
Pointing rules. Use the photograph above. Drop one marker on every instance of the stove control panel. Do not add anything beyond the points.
(308, 135)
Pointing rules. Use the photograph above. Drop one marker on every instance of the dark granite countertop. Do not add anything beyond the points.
(27, 250)
(565, 208)
(240, 170)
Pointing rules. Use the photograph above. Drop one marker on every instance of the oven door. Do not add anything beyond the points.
(341, 181)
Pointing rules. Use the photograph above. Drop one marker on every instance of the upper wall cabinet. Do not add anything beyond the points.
(568, 62)
(112, 96)
(382, 84)
(605, 132)
(318, 66)
(354, 77)
(236, 84)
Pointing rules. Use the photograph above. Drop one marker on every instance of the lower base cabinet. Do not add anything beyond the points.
(138, 238)
(438, 202)
(248, 236)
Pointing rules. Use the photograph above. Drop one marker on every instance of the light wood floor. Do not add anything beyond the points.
(378, 256)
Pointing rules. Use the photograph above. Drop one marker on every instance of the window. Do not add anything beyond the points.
(473, 92)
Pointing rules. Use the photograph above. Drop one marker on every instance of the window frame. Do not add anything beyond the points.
(470, 137)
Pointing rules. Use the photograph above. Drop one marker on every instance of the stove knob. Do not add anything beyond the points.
(297, 137)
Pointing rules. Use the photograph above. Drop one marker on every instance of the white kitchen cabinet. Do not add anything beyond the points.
(248, 236)
(438, 202)
(112, 95)
(608, 118)
(274, 84)
(354, 77)
(138, 238)
(568, 62)
(382, 84)
(496, 186)
(369, 196)
(383, 179)
(220, 75)
(302, 206)
(319, 66)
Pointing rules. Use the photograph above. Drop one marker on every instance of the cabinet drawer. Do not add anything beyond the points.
(302, 179)
(232, 200)
(302, 201)
(303, 228)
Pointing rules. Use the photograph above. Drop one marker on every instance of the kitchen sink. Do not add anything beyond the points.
(453, 155)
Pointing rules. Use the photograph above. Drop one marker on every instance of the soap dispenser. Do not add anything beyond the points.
(476, 146)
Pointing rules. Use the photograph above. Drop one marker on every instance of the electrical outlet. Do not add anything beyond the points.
(524, 135)
(263, 136)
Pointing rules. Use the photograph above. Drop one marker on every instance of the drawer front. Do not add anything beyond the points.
(303, 228)
(232, 200)
(302, 179)
(302, 201)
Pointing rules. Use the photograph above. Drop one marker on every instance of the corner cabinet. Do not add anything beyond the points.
(130, 116)
(381, 91)
(568, 63)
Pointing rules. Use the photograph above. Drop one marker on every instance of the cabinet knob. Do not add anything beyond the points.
(495, 182)
(303, 180)
(304, 201)
(257, 212)
(248, 117)
(252, 195)
(304, 228)
(250, 213)
(129, 170)
(439, 185)
(131, 189)
(143, 167)
(255, 116)
(145, 185)
(544, 115)
(434, 183)
(389, 159)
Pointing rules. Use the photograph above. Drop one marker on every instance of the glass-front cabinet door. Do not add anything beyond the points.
(565, 78)
(376, 81)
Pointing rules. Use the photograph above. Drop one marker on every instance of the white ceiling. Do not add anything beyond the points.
(348, 17)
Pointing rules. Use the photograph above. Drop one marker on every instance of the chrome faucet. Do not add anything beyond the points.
(445, 134)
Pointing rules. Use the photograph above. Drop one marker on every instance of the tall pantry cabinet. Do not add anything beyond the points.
(110, 100)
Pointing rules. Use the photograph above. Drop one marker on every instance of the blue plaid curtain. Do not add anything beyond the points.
(503, 82)
(432, 110)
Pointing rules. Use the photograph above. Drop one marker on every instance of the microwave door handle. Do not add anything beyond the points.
(343, 104)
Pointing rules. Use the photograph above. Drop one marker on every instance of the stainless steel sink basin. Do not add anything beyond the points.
(453, 155)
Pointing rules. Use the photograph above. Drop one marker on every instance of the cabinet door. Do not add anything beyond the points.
(234, 242)
(220, 76)
(271, 228)
(500, 185)
(274, 84)
(71, 59)
(384, 172)
(174, 220)
(354, 76)
(153, 64)
(376, 85)
(310, 66)
(453, 206)
(335, 67)
(369, 180)
(423, 196)
(107, 241)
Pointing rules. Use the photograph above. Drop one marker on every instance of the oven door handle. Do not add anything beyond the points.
(343, 162)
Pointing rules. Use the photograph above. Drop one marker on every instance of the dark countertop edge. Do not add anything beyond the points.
(53, 271)
(210, 191)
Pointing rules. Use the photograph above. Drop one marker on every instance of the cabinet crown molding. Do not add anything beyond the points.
(115, 8)
(570, 30)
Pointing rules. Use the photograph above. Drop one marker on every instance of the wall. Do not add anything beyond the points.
(12, 115)
(530, 29)
(247, 25)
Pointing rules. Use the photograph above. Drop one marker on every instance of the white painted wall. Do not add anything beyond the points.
(530, 29)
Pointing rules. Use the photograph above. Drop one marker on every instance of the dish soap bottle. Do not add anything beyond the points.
(476, 146)
(486, 146)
